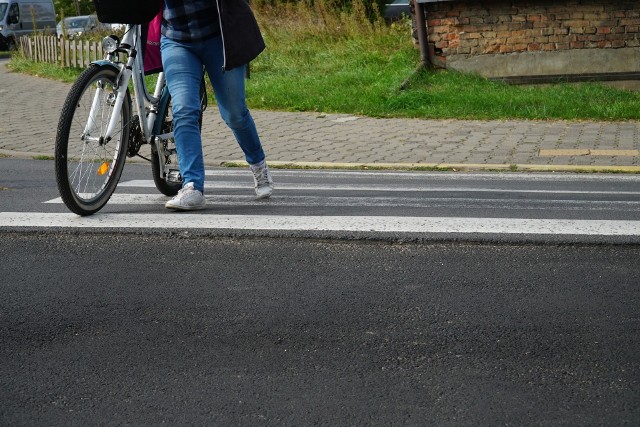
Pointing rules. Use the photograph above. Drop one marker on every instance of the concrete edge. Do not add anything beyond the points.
(452, 167)
(23, 154)
(31, 155)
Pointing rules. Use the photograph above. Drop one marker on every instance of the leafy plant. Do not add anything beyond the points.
(325, 59)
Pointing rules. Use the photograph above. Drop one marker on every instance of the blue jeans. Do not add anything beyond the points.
(183, 64)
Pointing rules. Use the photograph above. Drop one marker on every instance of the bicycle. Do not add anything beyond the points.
(97, 129)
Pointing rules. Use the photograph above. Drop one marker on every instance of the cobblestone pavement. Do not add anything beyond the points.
(30, 108)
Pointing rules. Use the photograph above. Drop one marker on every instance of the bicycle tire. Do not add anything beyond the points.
(166, 187)
(87, 166)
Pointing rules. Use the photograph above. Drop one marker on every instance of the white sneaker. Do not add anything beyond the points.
(263, 184)
(187, 199)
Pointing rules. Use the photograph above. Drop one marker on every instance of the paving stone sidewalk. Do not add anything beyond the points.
(30, 108)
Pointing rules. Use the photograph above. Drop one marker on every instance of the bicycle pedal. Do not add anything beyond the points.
(174, 176)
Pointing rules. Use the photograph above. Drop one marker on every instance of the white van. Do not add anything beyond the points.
(17, 18)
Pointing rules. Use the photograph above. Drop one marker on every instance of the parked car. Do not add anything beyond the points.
(118, 27)
(397, 9)
(18, 16)
(78, 25)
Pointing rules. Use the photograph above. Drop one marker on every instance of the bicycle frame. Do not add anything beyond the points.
(145, 104)
(98, 130)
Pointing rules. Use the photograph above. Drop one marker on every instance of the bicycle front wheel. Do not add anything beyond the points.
(88, 165)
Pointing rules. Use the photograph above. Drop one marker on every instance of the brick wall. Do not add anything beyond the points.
(493, 27)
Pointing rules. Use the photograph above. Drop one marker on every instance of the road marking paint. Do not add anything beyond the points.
(546, 152)
(129, 199)
(423, 202)
(378, 224)
(562, 152)
(232, 185)
(426, 176)
(621, 153)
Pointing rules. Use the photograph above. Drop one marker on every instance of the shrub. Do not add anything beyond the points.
(373, 9)
(319, 18)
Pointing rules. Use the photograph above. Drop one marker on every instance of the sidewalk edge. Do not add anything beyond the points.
(453, 167)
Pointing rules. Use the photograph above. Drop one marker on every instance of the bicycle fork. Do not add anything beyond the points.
(96, 108)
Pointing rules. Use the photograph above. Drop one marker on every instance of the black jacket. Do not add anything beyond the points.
(241, 37)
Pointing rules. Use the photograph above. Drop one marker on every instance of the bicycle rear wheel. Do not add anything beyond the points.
(169, 186)
(87, 165)
(169, 155)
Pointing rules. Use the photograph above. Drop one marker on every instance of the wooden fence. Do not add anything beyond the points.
(66, 52)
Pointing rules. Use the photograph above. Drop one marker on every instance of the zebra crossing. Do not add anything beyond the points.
(340, 203)
(367, 224)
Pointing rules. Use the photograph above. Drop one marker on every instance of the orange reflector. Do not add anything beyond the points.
(103, 168)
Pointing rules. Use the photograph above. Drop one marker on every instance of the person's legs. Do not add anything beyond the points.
(229, 90)
(183, 70)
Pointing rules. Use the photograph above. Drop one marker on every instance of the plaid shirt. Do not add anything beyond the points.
(190, 20)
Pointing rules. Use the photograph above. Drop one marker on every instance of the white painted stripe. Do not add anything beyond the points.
(232, 185)
(325, 223)
(442, 176)
(129, 199)
(423, 202)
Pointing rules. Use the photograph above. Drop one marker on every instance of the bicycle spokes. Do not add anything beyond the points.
(92, 140)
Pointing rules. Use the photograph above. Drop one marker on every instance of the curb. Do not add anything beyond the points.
(452, 167)
(30, 155)
(444, 167)
(23, 154)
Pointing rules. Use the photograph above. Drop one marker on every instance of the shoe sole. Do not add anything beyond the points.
(264, 196)
(184, 208)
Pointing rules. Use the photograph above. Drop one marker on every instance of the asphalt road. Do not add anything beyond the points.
(105, 329)
(514, 207)
(151, 324)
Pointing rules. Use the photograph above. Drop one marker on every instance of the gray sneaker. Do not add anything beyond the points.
(263, 184)
(187, 199)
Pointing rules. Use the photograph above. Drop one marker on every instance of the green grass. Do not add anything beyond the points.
(451, 94)
(19, 64)
(323, 62)
(351, 75)
(362, 72)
